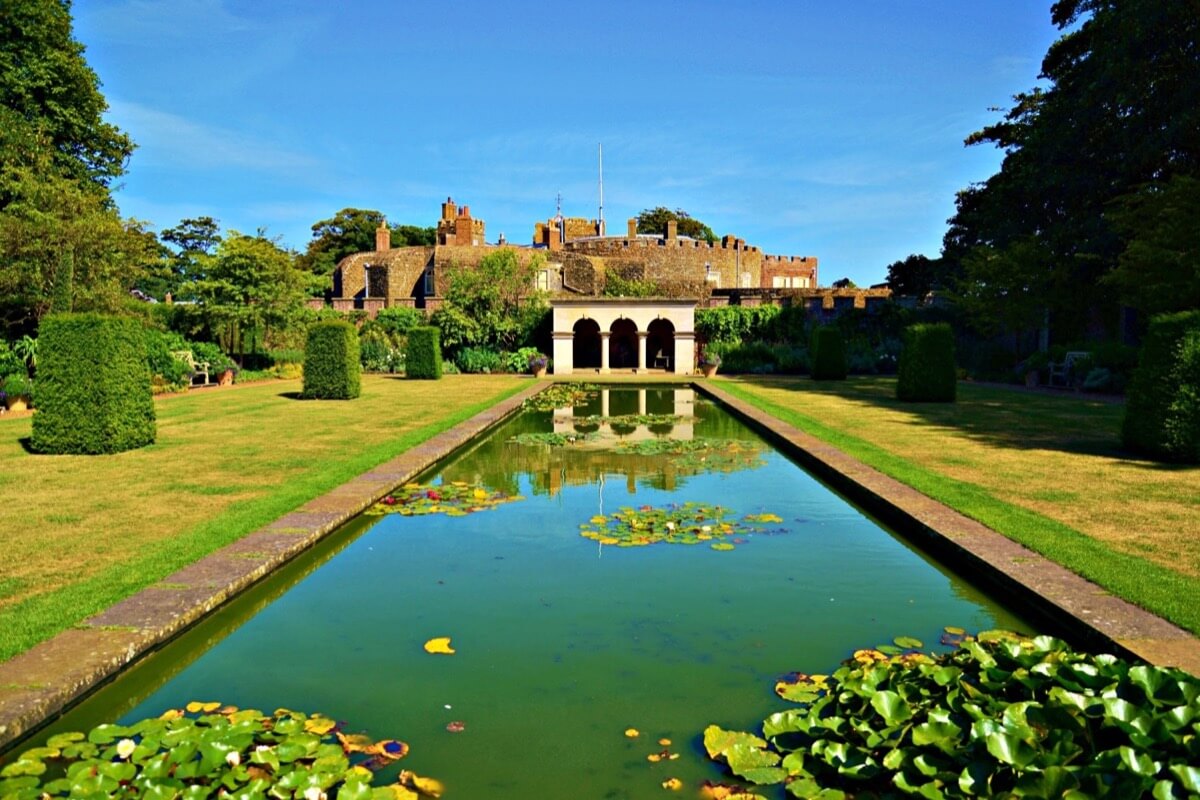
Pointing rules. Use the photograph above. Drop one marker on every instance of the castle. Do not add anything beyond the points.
(578, 256)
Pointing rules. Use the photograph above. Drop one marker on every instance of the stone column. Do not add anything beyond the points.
(642, 402)
(641, 351)
(604, 352)
(564, 352)
(604, 402)
(685, 352)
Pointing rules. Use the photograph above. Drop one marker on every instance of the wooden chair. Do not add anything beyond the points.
(1063, 371)
(198, 368)
(662, 359)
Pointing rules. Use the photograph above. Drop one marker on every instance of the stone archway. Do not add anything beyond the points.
(585, 347)
(660, 345)
(623, 344)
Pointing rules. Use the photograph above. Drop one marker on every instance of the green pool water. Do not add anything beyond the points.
(563, 643)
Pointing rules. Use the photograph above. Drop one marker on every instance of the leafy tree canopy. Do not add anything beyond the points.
(53, 97)
(250, 284)
(1119, 117)
(63, 248)
(500, 298)
(654, 220)
(352, 230)
(915, 276)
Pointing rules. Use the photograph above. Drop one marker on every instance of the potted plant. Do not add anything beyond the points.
(538, 364)
(18, 390)
(708, 362)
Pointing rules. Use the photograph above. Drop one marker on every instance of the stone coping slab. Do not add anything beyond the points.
(1063, 600)
(45, 680)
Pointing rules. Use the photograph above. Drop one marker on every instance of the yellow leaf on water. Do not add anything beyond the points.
(402, 792)
(599, 520)
(319, 725)
(665, 742)
(171, 713)
(674, 784)
(632, 733)
(439, 646)
(654, 757)
(196, 706)
(430, 787)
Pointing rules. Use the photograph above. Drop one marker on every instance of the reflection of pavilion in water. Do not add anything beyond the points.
(499, 463)
(570, 420)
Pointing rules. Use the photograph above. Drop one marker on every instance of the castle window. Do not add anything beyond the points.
(430, 288)
(543, 280)
(711, 275)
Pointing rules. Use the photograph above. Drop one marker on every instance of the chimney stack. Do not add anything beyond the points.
(632, 232)
(672, 230)
(383, 237)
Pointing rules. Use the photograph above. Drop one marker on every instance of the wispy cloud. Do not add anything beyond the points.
(140, 21)
(167, 139)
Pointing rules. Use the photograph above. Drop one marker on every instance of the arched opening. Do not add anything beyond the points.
(623, 345)
(660, 345)
(586, 344)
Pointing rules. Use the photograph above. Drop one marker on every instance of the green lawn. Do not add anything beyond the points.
(83, 532)
(1044, 470)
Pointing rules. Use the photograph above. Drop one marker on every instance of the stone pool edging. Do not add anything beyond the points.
(46, 679)
(1052, 592)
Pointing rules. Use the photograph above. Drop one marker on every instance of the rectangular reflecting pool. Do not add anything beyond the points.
(571, 618)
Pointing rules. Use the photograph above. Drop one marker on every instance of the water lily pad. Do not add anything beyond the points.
(908, 642)
(686, 523)
(453, 499)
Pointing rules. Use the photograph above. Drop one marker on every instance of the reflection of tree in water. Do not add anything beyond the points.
(725, 445)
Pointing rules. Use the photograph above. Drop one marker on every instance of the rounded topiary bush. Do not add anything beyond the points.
(331, 367)
(828, 355)
(1162, 412)
(93, 386)
(424, 359)
(926, 372)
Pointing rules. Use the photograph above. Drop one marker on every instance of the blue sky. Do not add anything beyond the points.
(805, 127)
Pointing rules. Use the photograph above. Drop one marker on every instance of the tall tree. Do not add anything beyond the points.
(250, 284)
(501, 297)
(195, 239)
(62, 248)
(654, 220)
(352, 230)
(1120, 112)
(46, 83)
(914, 276)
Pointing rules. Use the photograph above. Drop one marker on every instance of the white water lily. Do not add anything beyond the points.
(233, 758)
(706, 528)
(314, 793)
(670, 526)
(125, 748)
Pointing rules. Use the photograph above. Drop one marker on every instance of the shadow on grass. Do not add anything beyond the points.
(989, 414)
(292, 395)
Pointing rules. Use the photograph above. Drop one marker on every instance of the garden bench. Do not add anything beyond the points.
(1062, 370)
(197, 367)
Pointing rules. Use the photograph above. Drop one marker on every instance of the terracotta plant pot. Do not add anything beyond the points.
(540, 372)
(709, 370)
(226, 378)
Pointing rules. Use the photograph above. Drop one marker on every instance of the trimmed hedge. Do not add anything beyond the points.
(1162, 410)
(424, 359)
(828, 355)
(331, 368)
(93, 386)
(926, 373)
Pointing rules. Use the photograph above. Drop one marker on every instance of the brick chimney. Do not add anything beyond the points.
(556, 242)
(383, 237)
(631, 233)
(672, 230)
